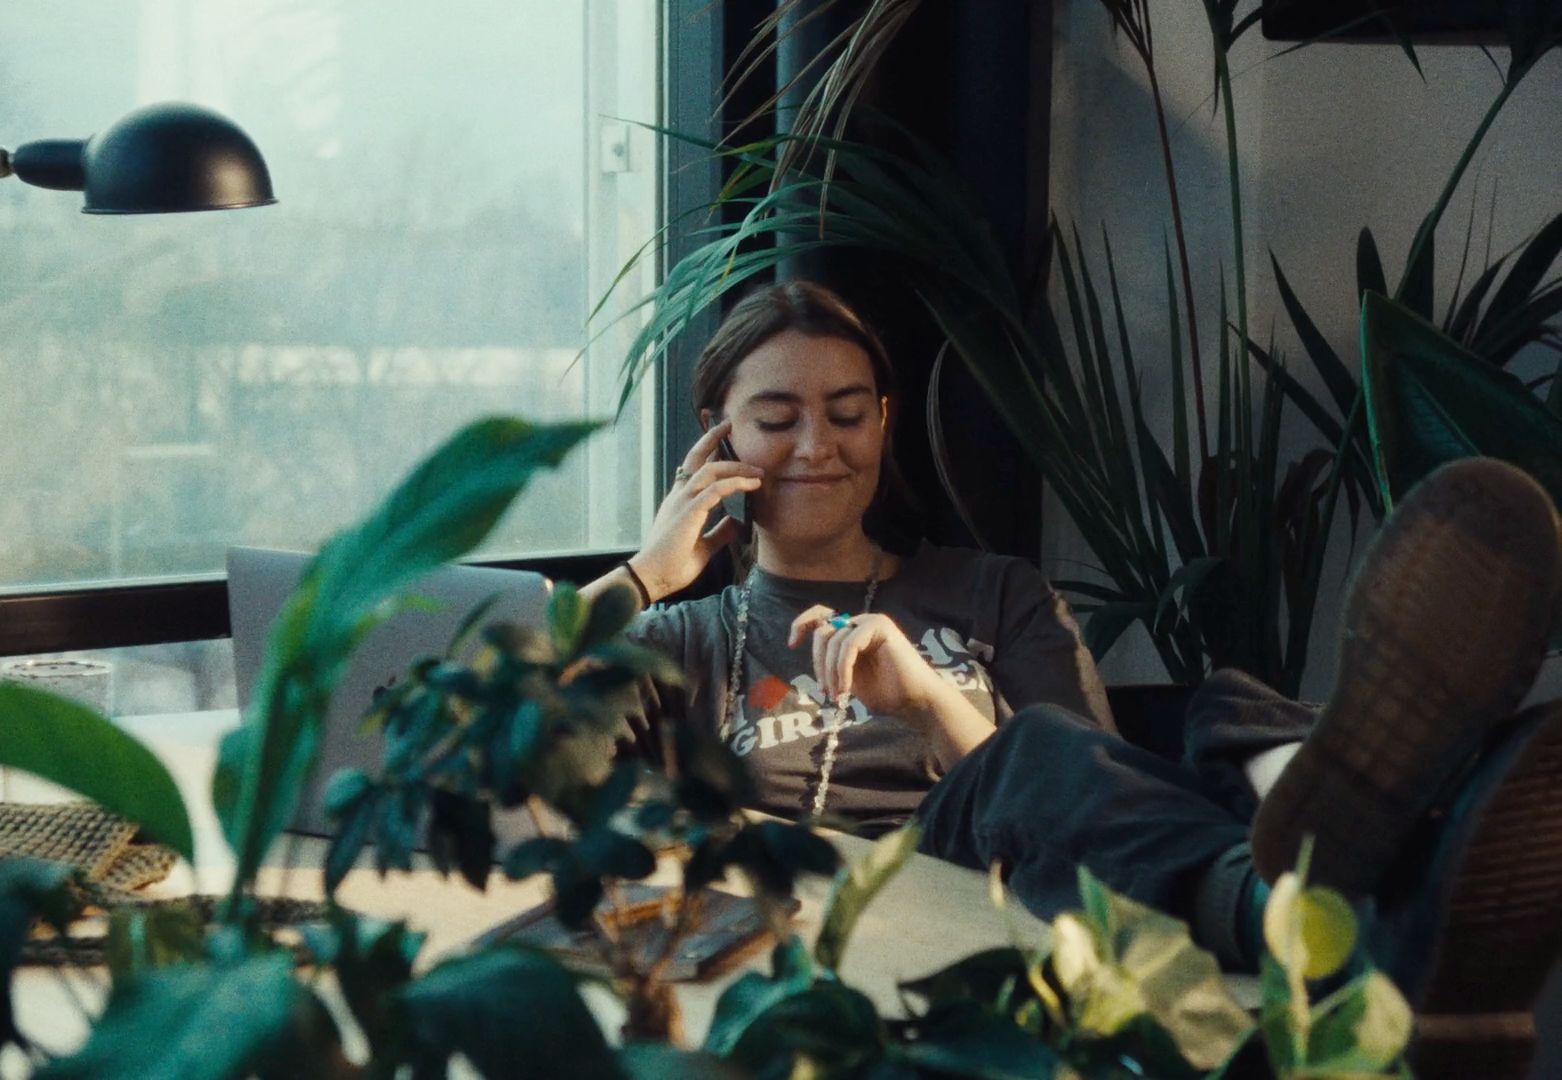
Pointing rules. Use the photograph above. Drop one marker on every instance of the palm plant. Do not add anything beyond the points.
(1203, 534)
(1487, 325)
(1213, 549)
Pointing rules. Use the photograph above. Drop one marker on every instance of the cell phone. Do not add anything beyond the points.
(736, 505)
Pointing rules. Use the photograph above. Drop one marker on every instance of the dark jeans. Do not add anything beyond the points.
(1049, 792)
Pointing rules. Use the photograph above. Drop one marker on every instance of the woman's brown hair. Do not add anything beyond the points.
(809, 309)
(814, 311)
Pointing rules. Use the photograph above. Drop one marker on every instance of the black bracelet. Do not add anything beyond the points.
(645, 594)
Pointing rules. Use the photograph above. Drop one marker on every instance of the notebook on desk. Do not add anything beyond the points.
(259, 583)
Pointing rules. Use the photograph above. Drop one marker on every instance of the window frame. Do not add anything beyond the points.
(196, 609)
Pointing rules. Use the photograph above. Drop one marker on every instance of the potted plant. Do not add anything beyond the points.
(1208, 535)
(530, 717)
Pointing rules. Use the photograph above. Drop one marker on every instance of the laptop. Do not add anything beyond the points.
(260, 581)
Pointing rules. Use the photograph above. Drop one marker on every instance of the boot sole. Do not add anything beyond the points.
(1502, 933)
(1444, 632)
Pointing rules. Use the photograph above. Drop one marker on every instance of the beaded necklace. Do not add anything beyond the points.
(833, 712)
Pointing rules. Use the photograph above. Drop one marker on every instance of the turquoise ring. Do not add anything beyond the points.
(842, 621)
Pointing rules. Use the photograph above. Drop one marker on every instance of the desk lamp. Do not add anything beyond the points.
(161, 159)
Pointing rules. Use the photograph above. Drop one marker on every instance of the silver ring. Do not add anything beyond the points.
(680, 474)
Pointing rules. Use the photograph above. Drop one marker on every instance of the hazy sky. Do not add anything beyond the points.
(475, 95)
(431, 162)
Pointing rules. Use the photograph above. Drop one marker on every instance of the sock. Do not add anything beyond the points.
(1263, 769)
(1228, 910)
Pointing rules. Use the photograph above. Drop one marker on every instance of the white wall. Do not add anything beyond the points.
(1333, 137)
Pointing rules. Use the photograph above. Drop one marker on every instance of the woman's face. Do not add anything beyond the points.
(807, 410)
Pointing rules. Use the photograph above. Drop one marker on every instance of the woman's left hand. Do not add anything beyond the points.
(869, 656)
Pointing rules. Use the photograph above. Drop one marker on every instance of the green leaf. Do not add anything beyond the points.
(471, 623)
(1150, 959)
(443, 509)
(1182, 470)
(1529, 271)
(1531, 28)
(834, 1026)
(511, 1012)
(1369, 266)
(655, 1061)
(938, 449)
(1110, 621)
(970, 1041)
(610, 614)
(344, 788)
(1276, 1017)
(1461, 324)
(981, 977)
(461, 834)
(1311, 932)
(373, 960)
(140, 939)
(754, 993)
(568, 615)
(203, 1022)
(605, 852)
(1183, 589)
(30, 889)
(1429, 401)
(712, 780)
(623, 661)
(1100, 999)
(774, 854)
(539, 855)
(1416, 288)
(1498, 340)
(1186, 993)
(855, 887)
(1096, 900)
(67, 743)
(614, 793)
(1168, 494)
(1362, 1029)
(1342, 387)
(354, 826)
(233, 753)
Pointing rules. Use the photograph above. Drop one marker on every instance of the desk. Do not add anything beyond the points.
(931, 914)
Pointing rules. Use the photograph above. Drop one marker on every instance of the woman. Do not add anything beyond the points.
(873, 685)
(849, 677)
(876, 685)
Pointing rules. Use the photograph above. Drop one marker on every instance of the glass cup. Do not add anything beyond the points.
(86, 681)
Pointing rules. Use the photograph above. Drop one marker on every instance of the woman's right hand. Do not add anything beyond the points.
(678, 546)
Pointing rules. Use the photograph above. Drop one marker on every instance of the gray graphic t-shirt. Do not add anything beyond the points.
(989, 624)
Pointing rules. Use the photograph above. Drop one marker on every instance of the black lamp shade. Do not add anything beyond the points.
(161, 159)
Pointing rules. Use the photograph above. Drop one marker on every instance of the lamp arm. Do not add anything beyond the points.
(51, 163)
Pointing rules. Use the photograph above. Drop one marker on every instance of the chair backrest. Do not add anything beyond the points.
(1151, 715)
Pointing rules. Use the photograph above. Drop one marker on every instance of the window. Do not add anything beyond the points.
(458, 183)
